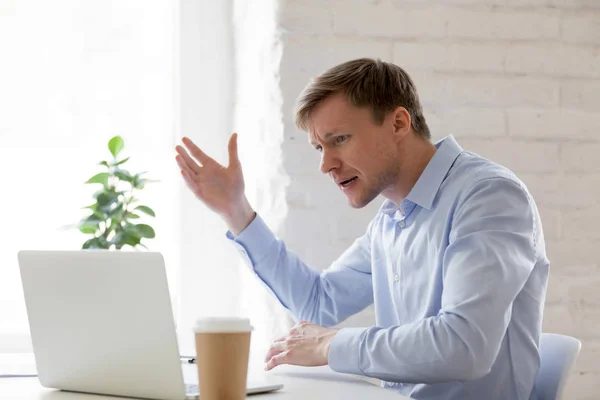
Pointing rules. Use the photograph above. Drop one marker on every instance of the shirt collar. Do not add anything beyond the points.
(427, 186)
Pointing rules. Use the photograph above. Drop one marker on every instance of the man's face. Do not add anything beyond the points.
(359, 155)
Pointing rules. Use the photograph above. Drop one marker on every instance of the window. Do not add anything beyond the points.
(78, 74)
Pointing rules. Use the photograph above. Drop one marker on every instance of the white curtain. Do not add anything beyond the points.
(228, 61)
(259, 121)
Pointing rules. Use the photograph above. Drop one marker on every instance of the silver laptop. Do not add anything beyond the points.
(101, 322)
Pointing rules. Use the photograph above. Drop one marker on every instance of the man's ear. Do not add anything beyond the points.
(401, 121)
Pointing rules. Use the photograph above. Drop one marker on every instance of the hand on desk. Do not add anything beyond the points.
(306, 344)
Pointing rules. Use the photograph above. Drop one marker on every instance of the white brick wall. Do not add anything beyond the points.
(554, 59)
(565, 124)
(581, 28)
(517, 81)
(496, 23)
(581, 157)
(450, 89)
(581, 94)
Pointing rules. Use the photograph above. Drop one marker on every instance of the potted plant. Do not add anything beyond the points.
(113, 219)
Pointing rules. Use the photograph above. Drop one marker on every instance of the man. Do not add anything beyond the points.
(454, 260)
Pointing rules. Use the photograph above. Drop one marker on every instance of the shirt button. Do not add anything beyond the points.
(402, 224)
(396, 277)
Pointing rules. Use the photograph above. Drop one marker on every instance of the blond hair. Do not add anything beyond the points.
(365, 82)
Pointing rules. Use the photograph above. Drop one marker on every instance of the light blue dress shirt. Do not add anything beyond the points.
(458, 275)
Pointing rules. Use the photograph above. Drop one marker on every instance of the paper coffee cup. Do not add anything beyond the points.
(222, 352)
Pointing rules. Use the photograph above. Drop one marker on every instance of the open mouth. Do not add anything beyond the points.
(347, 182)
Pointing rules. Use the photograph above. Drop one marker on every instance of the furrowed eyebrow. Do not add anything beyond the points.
(325, 137)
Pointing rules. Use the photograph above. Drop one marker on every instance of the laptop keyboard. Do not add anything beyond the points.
(191, 389)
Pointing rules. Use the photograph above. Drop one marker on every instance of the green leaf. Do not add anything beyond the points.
(91, 220)
(88, 229)
(107, 198)
(105, 163)
(87, 244)
(131, 215)
(124, 175)
(117, 238)
(99, 192)
(94, 208)
(102, 178)
(115, 145)
(90, 225)
(126, 237)
(96, 243)
(112, 226)
(100, 215)
(132, 239)
(146, 209)
(145, 231)
(116, 212)
(138, 182)
(122, 161)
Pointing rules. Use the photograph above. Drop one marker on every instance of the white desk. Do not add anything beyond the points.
(299, 384)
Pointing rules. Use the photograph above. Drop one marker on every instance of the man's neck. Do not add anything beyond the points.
(415, 154)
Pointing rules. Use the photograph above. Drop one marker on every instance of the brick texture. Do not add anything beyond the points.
(582, 27)
(581, 94)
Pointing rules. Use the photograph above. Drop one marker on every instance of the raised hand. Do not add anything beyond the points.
(220, 188)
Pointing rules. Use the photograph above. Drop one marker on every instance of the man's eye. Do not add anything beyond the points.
(341, 138)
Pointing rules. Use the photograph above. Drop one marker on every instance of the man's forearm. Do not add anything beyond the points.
(323, 298)
(434, 350)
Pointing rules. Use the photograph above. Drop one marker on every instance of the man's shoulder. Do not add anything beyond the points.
(473, 174)
(471, 169)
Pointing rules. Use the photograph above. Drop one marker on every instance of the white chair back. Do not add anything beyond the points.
(557, 357)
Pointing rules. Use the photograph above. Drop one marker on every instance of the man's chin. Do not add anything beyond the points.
(355, 205)
(360, 202)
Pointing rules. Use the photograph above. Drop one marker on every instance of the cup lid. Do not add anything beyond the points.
(222, 324)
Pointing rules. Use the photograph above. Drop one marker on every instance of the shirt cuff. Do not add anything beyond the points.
(344, 351)
(254, 241)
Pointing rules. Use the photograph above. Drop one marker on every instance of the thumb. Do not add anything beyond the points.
(233, 151)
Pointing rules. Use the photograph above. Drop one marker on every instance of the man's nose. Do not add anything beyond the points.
(329, 162)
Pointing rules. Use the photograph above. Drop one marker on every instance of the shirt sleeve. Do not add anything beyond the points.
(490, 256)
(325, 298)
